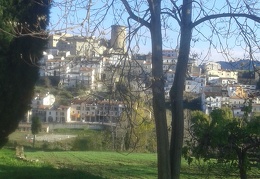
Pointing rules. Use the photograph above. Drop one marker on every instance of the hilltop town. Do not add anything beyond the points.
(99, 65)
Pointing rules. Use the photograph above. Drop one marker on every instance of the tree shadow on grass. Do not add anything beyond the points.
(43, 172)
(192, 175)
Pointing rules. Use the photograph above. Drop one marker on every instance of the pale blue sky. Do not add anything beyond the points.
(67, 15)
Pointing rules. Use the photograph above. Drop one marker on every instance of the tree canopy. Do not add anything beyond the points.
(35, 127)
(23, 38)
(224, 137)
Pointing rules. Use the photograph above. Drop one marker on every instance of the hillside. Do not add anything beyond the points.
(239, 65)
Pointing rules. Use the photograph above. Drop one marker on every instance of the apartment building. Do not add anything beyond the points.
(195, 85)
(102, 111)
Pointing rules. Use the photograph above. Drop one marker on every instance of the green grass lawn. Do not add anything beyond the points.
(104, 164)
(96, 164)
(77, 165)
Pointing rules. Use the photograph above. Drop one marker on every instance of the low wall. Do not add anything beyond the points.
(75, 126)
(46, 127)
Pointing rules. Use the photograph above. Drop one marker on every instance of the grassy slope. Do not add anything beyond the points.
(90, 165)
(100, 165)
(105, 164)
(77, 165)
(11, 167)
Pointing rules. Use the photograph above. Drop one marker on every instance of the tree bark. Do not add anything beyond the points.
(177, 89)
(242, 164)
(158, 93)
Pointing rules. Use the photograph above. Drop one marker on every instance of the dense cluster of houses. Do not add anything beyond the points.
(101, 111)
(97, 63)
(219, 88)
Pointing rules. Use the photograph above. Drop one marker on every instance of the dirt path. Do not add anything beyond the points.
(53, 137)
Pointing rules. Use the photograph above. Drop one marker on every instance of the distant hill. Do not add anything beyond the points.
(238, 65)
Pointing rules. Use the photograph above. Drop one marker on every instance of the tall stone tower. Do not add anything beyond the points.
(118, 38)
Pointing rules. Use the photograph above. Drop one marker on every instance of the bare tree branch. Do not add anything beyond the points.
(215, 16)
(133, 16)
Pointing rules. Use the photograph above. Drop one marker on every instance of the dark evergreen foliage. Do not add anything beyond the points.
(23, 39)
(36, 125)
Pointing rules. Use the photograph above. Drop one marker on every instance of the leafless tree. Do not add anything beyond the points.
(229, 24)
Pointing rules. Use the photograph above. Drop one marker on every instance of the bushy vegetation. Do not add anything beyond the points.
(96, 140)
(232, 141)
(63, 96)
(93, 150)
(89, 140)
(85, 140)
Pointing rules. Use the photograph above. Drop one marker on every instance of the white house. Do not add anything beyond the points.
(195, 85)
(211, 66)
(45, 100)
(227, 81)
(235, 101)
(87, 77)
(147, 66)
(213, 79)
(169, 63)
(169, 78)
(170, 53)
(256, 109)
(60, 114)
(211, 101)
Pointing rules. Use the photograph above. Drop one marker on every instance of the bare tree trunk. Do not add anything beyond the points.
(177, 89)
(242, 164)
(158, 94)
(159, 109)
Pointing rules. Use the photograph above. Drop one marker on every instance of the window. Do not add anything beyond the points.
(50, 113)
